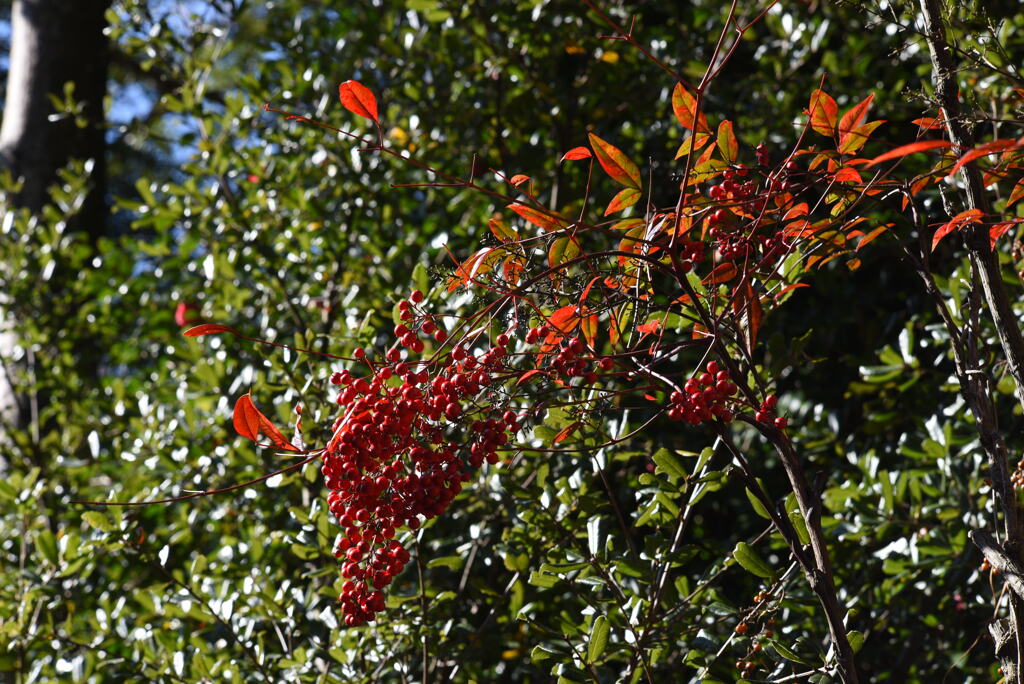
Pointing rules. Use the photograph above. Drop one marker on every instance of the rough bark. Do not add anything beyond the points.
(986, 264)
(53, 42)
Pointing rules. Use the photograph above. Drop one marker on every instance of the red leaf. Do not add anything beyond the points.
(855, 117)
(985, 150)
(565, 319)
(685, 105)
(789, 288)
(588, 325)
(650, 326)
(566, 432)
(962, 219)
(904, 150)
(1016, 193)
(824, 113)
(527, 375)
(928, 122)
(721, 273)
(518, 179)
(546, 220)
(575, 154)
(358, 99)
(997, 231)
(210, 329)
(249, 422)
(625, 198)
(615, 163)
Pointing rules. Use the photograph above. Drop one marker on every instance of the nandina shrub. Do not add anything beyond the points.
(652, 308)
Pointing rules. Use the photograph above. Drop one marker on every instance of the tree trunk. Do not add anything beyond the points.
(53, 42)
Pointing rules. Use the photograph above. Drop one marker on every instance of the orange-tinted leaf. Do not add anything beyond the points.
(210, 329)
(872, 235)
(628, 224)
(562, 250)
(854, 117)
(625, 198)
(518, 179)
(721, 273)
(692, 143)
(503, 231)
(544, 219)
(904, 150)
(249, 422)
(358, 99)
(615, 163)
(588, 326)
(962, 219)
(482, 261)
(1015, 195)
(854, 140)
(727, 143)
(789, 288)
(575, 154)
(984, 150)
(749, 314)
(824, 113)
(684, 105)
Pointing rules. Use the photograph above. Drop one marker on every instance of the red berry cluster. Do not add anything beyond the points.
(390, 462)
(766, 414)
(704, 397)
(691, 253)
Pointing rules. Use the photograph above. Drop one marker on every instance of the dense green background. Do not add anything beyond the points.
(284, 232)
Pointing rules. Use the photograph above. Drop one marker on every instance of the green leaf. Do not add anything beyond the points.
(47, 545)
(751, 561)
(667, 463)
(598, 638)
(789, 654)
(453, 562)
(856, 640)
(97, 520)
(539, 579)
(757, 505)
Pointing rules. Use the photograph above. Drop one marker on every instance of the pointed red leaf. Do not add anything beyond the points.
(615, 163)
(518, 179)
(575, 154)
(824, 113)
(904, 150)
(985, 150)
(249, 422)
(721, 273)
(1016, 193)
(546, 220)
(210, 329)
(962, 219)
(684, 104)
(854, 117)
(358, 99)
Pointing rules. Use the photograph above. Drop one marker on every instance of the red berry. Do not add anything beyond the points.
(781, 422)
(359, 353)
(416, 296)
